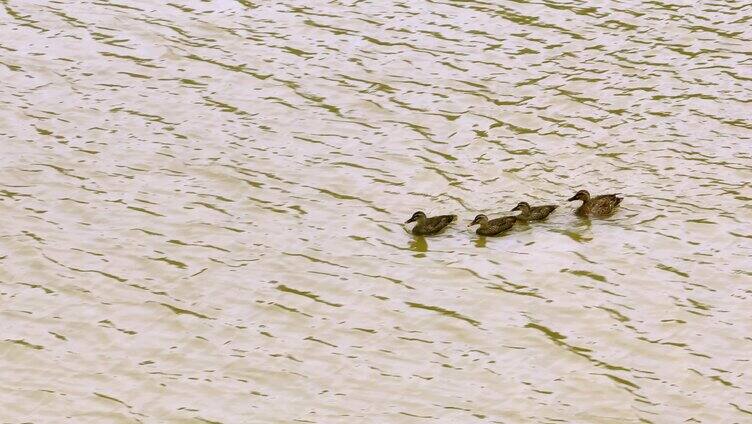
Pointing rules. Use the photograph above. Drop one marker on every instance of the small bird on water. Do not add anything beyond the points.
(533, 213)
(598, 206)
(428, 226)
(493, 227)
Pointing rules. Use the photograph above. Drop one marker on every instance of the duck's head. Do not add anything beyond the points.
(416, 217)
(480, 219)
(522, 206)
(580, 195)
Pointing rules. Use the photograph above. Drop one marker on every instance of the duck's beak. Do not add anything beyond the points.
(475, 221)
(516, 208)
(575, 197)
(410, 220)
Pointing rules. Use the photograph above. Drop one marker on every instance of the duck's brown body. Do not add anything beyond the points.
(428, 226)
(493, 227)
(598, 206)
(533, 213)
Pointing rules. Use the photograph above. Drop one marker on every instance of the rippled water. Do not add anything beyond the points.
(202, 208)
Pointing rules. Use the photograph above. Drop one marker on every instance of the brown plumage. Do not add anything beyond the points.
(493, 227)
(533, 213)
(427, 226)
(598, 206)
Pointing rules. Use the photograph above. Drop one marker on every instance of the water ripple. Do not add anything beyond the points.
(210, 196)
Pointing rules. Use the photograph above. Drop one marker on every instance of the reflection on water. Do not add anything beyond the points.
(202, 211)
(419, 244)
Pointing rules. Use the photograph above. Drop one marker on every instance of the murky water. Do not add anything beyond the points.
(202, 207)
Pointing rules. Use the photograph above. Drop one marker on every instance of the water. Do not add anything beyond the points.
(202, 207)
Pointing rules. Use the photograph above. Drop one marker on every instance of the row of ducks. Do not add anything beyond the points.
(596, 206)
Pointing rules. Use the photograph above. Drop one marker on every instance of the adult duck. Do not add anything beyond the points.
(428, 226)
(598, 206)
(533, 213)
(492, 227)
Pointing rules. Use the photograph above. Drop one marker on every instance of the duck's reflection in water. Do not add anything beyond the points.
(419, 244)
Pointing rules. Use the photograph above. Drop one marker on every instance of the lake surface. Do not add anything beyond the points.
(203, 203)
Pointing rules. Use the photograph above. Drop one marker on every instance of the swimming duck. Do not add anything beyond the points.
(599, 206)
(428, 226)
(493, 227)
(533, 213)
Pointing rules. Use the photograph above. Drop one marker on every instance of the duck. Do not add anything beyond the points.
(428, 226)
(533, 213)
(493, 227)
(598, 206)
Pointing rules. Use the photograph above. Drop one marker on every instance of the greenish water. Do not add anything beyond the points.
(203, 202)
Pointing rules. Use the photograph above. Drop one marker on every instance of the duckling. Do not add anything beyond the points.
(493, 227)
(428, 226)
(598, 206)
(534, 213)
